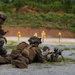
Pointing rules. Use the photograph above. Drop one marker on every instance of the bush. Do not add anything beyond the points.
(73, 9)
(56, 6)
(43, 15)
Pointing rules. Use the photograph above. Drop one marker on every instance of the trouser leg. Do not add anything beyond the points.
(24, 59)
(1, 43)
(5, 60)
(2, 50)
(20, 62)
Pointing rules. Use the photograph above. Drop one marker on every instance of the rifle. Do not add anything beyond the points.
(52, 55)
(56, 54)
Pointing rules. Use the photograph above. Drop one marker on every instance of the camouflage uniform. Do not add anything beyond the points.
(2, 33)
(29, 53)
(24, 54)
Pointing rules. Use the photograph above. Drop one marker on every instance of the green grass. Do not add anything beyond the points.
(48, 20)
(69, 48)
(45, 14)
(70, 60)
(12, 43)
(10, 47)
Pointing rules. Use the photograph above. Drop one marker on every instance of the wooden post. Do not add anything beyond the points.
(43, 35)
(59, 36)
(19, 35)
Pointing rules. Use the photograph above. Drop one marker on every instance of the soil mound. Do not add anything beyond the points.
(28, 31)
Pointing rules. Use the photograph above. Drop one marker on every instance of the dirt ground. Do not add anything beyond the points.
(63, 67)
(28, 31)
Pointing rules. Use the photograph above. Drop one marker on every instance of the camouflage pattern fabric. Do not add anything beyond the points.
(24, 54)
(3, 16)
(15, 53)
(22, 45)
(2, 33)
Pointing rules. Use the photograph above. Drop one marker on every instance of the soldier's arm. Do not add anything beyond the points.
(5, 40)
(3, 32)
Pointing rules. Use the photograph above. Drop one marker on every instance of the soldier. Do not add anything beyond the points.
(24, 54)
(29, 53)
(2, 33)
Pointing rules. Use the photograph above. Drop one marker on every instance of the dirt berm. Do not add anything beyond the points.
(28, 31)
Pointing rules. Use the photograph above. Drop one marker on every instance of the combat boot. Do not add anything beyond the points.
(19, 64)
(24, 59)
(5, 60)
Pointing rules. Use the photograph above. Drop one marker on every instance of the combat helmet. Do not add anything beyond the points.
(3, 16)
(34, 39)
(45, 48)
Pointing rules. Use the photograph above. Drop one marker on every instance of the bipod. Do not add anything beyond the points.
(62, 57)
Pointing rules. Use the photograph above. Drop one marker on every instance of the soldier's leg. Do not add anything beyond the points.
(20, 62)
(24, 59)
(2, 50)
(5, 60)
(1, 43)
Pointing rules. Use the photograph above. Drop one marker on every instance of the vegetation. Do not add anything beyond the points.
(35, 13)
(11, 45)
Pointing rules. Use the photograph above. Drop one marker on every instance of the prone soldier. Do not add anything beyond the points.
(29, 53)
(51, 56)
(24, 54)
